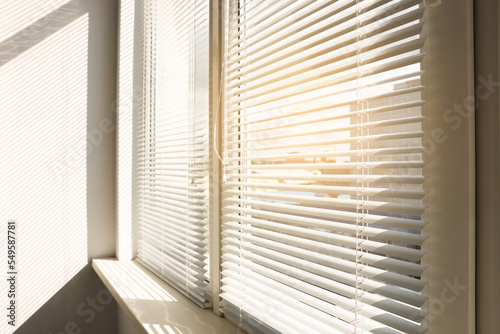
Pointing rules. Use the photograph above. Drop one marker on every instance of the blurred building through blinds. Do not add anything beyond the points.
(324, 166)
(173, 164)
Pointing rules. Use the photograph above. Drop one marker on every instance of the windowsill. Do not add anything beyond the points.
(152, 305)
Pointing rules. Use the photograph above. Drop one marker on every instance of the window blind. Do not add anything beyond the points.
(324, 166)
(173, 150)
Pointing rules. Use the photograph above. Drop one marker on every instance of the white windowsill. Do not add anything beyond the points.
(152, 305)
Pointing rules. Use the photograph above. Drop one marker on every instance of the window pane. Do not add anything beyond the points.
(173, 183)
(323, 146)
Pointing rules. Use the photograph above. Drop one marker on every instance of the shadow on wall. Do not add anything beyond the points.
(44, 123)
(82, 306)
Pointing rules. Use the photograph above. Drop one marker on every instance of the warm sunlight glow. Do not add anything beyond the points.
(324, 169)
(43, 131)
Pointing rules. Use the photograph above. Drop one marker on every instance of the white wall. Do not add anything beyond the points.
(57, 92)
(487, 45)
(450, 76)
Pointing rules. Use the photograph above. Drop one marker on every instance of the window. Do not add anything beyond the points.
(173, 151)
(323, 200)
(318, 219)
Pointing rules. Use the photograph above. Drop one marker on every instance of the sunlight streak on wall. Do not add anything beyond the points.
(43, 121)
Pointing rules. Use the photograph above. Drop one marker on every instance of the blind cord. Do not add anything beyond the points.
(217, 111)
